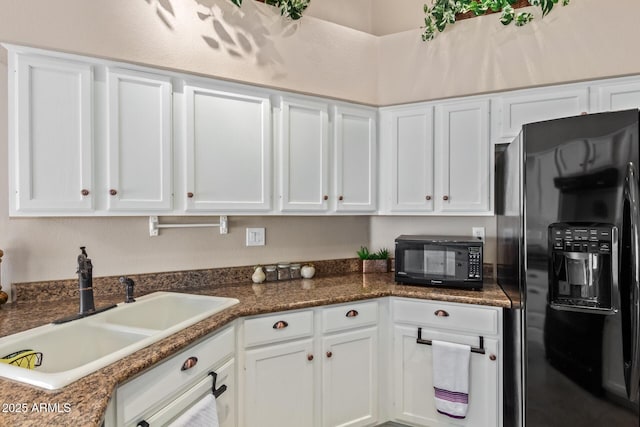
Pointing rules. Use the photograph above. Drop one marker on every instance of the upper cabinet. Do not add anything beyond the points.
(407, 142)
(51, 149)
(303, 156)
(513, 109)
(228, 151)
(139, 141)
(621, 94)
(440, 159)
(464, 157)
(355, 159)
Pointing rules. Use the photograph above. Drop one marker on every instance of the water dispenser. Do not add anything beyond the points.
(582, 266)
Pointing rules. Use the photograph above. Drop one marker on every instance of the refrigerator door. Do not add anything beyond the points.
(573, 180)
(630, 283)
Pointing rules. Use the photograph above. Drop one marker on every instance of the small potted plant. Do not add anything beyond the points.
(374, 262)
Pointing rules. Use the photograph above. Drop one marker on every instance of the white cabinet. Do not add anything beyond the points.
(312, 367)
(513, 109)
(303, 156)
(228, 146)
(410, 142)
(279, 373)
(440, 162)
(349, 354)
(412, 373)
(139, 141)
(621, 94)
(355, 159)
(51, 149)
(463, 157)
(165, 391)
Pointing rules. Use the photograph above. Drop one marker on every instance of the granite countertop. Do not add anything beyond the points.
(83, 403)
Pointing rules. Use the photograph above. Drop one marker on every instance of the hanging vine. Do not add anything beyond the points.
(290, 8)
(443, 12)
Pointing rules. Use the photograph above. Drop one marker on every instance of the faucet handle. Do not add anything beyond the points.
(128, 283)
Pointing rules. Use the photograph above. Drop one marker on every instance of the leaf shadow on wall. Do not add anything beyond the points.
(245, 33)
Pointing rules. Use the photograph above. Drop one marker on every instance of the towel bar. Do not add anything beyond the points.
(217, 391)
(479, 350)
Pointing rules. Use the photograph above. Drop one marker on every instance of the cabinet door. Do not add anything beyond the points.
(139, 141)
(52, 138)
(279, 385)
(349, 379)
(303, 156)
(355, 159)
(228, 151)
(412, 160)
(621, 95)
(510, 112)
(413, 389)
(463, 157)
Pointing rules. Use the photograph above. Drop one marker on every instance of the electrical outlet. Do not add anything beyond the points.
(478, 232)
(255, 236)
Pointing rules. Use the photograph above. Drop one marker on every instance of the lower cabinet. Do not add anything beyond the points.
(161, 394)
(278, 385)
(412, 370)
(311, 368)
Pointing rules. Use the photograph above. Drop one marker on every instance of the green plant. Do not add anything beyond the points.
(443, 12)
(363, 253)
(289, 8)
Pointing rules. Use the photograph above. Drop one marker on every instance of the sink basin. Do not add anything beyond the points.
(78, 348)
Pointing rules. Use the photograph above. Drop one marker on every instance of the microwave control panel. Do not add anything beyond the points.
(475, 262)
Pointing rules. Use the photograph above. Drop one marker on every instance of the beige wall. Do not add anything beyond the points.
(212, 37)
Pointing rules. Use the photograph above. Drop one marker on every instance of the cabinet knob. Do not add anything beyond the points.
(329, 354)
(189, 363)
(309, 357)
(428, 197)
(441, 313)
(325, 197)
(352, 313)
(113, 192)
(445, 197)
(492, 357)
(280, 324)
(190, 195)
(341, 198)
(84, 192)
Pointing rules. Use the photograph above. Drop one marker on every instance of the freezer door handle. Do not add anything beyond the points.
(632, 363)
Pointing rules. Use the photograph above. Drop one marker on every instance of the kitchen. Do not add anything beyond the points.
(312, 56)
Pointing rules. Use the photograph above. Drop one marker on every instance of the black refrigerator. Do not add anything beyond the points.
(567, 236)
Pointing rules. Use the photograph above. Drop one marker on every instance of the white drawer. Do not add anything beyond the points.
(348, 316)
(456, 317)
(278, 327)
(156, 387)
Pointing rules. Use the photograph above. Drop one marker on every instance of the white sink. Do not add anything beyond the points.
(77, 348)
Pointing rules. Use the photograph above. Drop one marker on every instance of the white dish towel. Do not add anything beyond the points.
(451, 378)
(202, 414)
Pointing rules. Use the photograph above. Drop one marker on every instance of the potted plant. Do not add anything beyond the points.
(374, 262)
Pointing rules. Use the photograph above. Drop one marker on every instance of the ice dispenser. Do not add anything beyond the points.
(583, 267)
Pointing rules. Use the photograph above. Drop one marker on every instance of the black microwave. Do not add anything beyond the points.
(439, 261)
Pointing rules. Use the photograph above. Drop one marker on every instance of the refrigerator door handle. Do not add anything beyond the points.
(632, 367)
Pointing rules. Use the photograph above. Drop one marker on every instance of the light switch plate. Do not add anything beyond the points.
(255, 236)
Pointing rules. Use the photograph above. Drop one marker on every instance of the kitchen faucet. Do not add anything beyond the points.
(85, 282)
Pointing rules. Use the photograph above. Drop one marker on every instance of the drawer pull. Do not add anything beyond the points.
(189, 363)
(142, 423)
(352, 313)
(309, 357)
(441, 313)
(217, 391)
(280, 324)
(329, 354)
